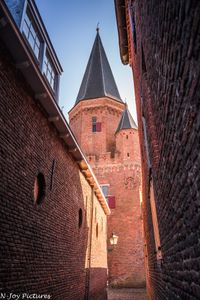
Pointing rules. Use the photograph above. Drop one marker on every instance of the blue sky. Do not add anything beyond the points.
(72, 28)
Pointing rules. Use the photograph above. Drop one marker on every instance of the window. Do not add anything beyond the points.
(49, 71)
(30, 32)
(39, 189)
(96, 126)
(144, 69)
(97, 231)
(127, 137)
(104, 189)
(128, 154)
(80, 218)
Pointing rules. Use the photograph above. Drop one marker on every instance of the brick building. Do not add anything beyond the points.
(161, 42)
(108, 136)
(53, 212)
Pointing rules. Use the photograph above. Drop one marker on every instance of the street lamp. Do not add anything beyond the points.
(113, 239)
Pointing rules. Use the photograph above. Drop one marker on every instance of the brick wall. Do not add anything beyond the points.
(112, 166)
(107, 112)
(43, 250)
(166, 77)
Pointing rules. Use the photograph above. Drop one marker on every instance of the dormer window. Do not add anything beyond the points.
(49, 71)
(30, 32)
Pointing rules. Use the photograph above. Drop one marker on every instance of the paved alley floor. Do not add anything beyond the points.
(127, 294)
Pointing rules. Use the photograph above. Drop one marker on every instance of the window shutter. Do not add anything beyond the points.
(98, 126)
(111, 201)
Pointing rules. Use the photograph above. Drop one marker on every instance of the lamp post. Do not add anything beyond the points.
(113, 239)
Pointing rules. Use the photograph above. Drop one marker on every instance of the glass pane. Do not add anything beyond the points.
(27, 20)
(52, 83)
(31, 41)
(37, 41)
(36, 51)
(105, 190)
(32, 30)
(94, 119)
(25, 29)
(48, 76)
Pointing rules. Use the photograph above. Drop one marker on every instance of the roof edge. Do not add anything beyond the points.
(120, 11)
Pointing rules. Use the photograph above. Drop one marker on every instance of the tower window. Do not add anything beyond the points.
(127, 137)
(30, 32)
(104, 189)
(128, 154)
(96, 126)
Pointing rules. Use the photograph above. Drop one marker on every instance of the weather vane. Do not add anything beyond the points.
(97, 29)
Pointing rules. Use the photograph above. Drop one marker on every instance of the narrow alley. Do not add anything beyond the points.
(100, 149)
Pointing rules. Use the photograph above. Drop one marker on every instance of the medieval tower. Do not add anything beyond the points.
(108, 135)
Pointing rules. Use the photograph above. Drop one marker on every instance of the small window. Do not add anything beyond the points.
(128, 154)
(97, 230)
(30, 32)
(49, 71)
(127, 137)
(80, 218)
(39, 189)
(104, 189)
(96, 126)
(144, 69)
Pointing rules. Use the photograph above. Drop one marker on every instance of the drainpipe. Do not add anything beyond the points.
(87, 284)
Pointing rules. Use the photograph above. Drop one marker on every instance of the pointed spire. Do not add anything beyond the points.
(126, 121)
(98, 80)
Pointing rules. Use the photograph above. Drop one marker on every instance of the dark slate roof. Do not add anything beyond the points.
(98, 80)
(126, 121)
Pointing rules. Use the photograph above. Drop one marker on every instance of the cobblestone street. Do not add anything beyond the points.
(127, 294)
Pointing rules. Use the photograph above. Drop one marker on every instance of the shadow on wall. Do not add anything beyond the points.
(98, 279)
(43, 244)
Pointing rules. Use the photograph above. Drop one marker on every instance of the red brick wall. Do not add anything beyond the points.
(166, 77)
(126, 261)
(108, 113)
(127, 144)
(43, 250)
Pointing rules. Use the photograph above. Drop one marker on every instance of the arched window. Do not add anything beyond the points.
(39, 189)
(97, 231)
(80, 218)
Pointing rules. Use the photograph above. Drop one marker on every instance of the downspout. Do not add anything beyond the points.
(87, 286)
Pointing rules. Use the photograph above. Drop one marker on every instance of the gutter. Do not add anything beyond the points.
(120, 11)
